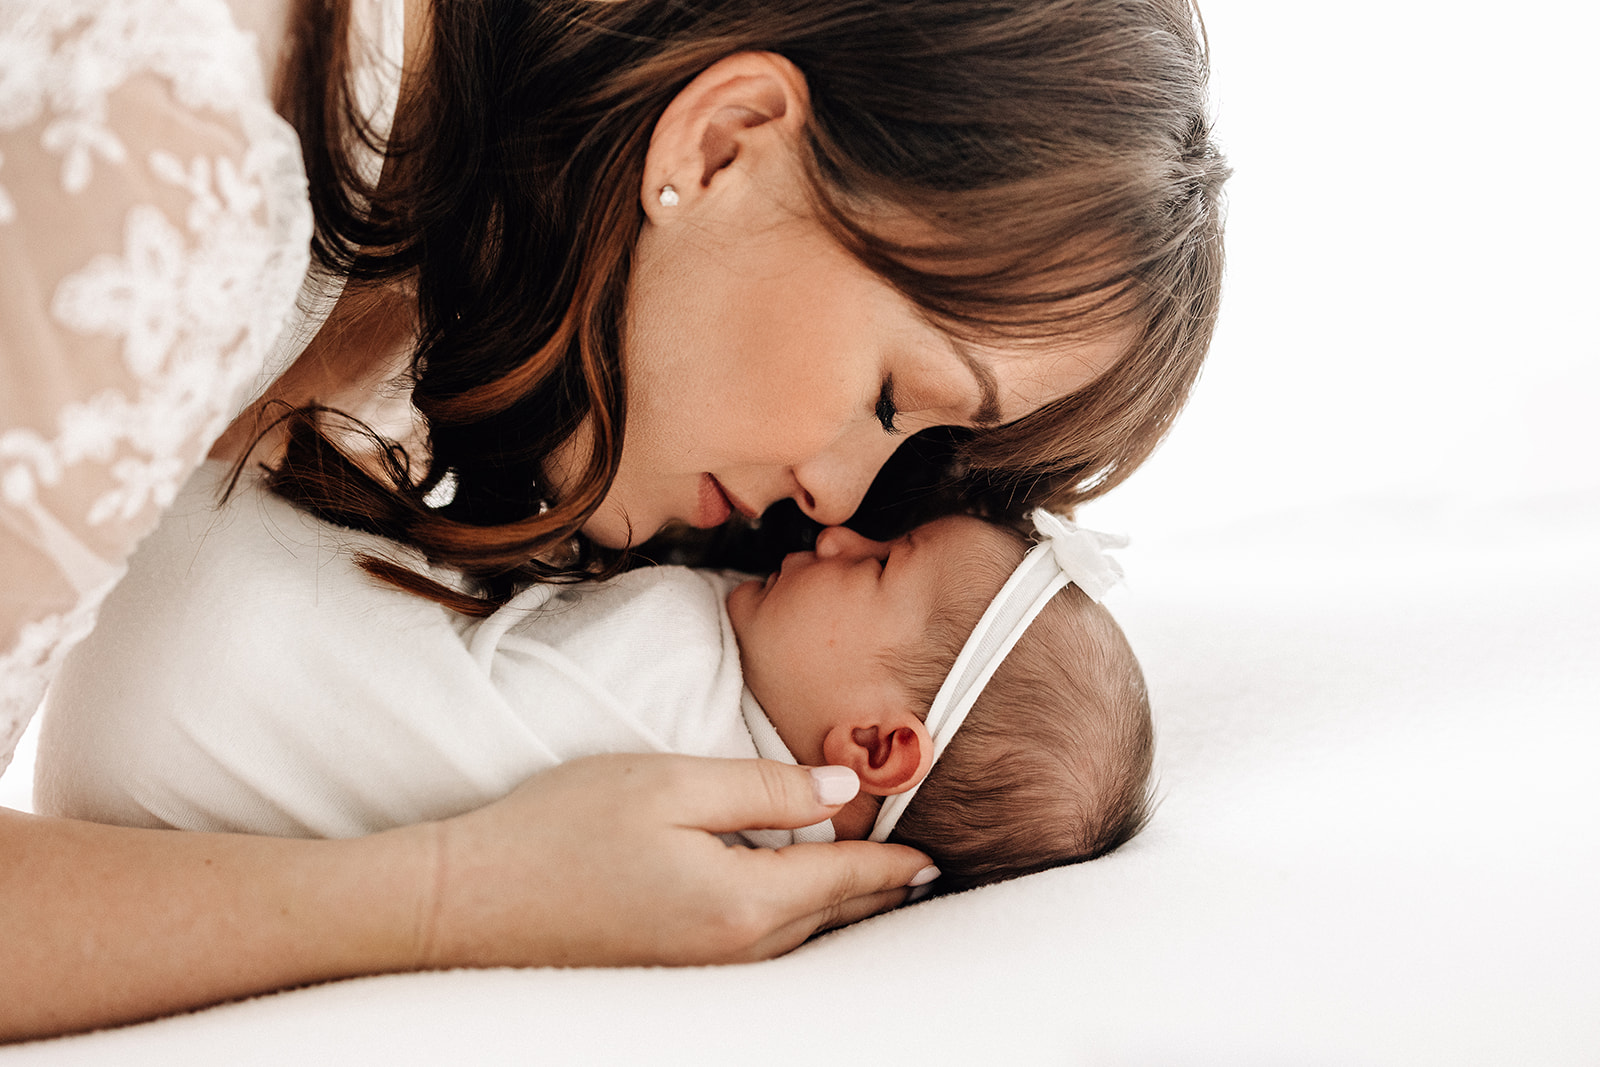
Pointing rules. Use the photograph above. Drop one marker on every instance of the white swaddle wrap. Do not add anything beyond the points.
(248, 676)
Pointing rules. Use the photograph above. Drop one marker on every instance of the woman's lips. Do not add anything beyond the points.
(716, 504)
(714, 507)
(738, 505)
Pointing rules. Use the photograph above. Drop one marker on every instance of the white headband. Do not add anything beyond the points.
(1066, 554)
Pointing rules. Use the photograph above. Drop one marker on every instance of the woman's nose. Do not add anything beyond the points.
(830, 487)
(841, 542)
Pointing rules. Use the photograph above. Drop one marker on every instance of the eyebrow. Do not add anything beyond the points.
(988, 414)
(908, 544)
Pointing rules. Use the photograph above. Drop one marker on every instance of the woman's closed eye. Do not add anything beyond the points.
(887, 410)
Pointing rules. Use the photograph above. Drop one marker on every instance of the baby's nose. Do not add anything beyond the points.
(841, 542)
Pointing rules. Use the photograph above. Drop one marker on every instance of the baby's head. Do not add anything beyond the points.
(845, 648)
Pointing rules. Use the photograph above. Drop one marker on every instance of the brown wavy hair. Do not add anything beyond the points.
(1056, 152)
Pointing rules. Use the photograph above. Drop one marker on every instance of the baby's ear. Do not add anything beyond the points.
(889, 752)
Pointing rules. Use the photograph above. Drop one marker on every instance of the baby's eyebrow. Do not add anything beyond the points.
(897, 551)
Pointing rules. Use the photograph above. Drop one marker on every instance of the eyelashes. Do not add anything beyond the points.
(886, 409)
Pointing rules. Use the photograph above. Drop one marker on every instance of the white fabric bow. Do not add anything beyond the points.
(1080, 553)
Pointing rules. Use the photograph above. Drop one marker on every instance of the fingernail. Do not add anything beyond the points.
(918, 892)
(924, 876)
(835, 785)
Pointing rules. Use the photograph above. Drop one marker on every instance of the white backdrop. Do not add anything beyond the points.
(1412, 242)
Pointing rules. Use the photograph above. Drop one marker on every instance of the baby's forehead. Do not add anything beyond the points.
(965, 530)
(958, 540)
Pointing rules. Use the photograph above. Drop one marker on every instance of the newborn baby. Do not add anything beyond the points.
(264, 683)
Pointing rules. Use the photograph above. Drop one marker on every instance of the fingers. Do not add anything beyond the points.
(847, 869)
(791, 893)
(804, 888)
(723, 795)
(858, 908)
(620, 855)
(794, 934)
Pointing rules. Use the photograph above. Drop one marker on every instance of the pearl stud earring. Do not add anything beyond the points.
(669, 196)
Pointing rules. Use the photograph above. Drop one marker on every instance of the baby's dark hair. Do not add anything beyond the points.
(1053, 764)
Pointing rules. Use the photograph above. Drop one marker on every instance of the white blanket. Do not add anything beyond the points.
(248, 676)
(1378, 843)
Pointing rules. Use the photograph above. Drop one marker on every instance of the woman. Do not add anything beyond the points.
(644, 263)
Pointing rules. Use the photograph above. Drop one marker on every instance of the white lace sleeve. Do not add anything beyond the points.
(153, 235)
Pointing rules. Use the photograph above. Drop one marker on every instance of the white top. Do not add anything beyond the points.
(154, 233)
(248, 676)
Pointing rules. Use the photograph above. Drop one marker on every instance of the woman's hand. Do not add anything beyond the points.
(614, 860)
(611, 860)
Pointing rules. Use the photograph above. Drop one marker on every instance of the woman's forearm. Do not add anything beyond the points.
(102, 925)
(605, 860)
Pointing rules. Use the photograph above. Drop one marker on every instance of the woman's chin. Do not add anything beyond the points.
(609, 528)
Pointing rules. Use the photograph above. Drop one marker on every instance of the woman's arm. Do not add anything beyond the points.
(610, 860)
(102, 925)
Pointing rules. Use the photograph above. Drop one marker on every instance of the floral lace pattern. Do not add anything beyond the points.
(153, 236)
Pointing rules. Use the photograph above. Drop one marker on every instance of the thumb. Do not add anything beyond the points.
(727, 795)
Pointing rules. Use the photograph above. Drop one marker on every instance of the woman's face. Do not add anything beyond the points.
(763, 361)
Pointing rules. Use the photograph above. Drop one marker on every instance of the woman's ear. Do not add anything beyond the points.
(889, 755)
(740, 115)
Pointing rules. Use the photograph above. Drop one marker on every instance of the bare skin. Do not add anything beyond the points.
(105, 925)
